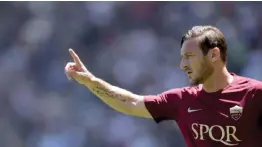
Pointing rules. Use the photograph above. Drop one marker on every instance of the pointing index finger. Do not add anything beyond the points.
(75, 57)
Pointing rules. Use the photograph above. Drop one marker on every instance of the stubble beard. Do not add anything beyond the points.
(204, 73)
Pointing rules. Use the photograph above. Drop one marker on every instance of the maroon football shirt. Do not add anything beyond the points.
(229, 117)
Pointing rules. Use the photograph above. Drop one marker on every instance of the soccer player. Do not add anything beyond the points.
(219, 109)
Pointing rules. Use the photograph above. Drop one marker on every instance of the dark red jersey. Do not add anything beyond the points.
(229, 117)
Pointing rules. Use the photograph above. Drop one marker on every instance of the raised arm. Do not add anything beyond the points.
(119, 99)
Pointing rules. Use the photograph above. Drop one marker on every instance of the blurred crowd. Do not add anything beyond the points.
(133, 45)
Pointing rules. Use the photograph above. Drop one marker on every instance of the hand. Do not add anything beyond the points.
(77, 69)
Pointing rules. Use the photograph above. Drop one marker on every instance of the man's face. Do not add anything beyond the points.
(197, 66)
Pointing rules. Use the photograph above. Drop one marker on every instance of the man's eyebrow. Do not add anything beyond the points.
(187, 53)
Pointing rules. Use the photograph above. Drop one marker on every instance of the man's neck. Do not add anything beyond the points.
(218, 80)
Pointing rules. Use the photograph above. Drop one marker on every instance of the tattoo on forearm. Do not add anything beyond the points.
(104, 92)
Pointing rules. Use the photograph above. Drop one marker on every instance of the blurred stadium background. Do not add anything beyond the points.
(134, 45)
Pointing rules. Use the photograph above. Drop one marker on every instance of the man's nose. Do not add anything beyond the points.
(183, 65)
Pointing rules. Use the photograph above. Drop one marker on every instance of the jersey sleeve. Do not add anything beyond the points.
(164, 106)
(258, 96)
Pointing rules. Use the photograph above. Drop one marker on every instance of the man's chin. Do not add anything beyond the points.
(194, 82)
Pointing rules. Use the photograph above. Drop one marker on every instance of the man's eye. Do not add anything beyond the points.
(188, 56)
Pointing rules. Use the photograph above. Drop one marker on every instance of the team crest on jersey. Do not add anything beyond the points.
(236, 112)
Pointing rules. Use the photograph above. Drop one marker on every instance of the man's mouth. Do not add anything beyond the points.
(189, 72)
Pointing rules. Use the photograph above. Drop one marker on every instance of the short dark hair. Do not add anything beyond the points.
(210, 37)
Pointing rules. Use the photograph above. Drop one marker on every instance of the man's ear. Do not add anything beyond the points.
(215, 54)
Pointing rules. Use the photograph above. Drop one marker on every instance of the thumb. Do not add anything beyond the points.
(76, 74)
(71, 73)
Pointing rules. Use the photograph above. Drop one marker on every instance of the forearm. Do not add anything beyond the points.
(117, 98)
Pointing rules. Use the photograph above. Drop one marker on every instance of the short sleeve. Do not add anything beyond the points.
(257, 101)
(258, 96)
(164, 106)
